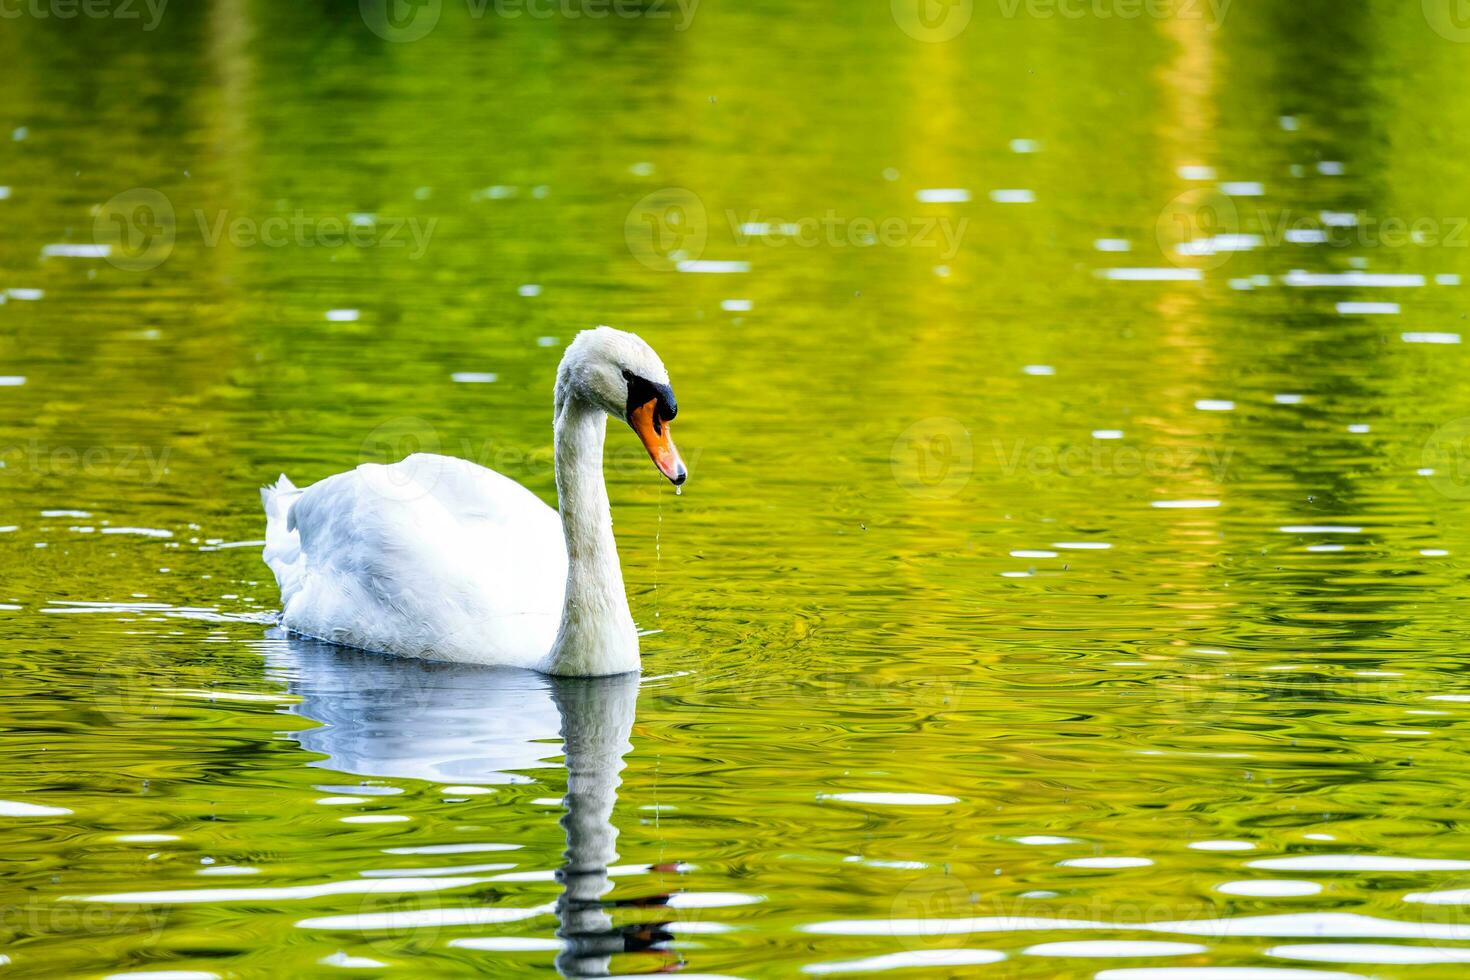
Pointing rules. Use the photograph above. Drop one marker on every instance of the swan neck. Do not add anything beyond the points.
(596, 635)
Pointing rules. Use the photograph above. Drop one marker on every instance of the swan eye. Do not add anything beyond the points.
(641, 391)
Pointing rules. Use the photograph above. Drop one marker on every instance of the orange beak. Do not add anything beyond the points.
(654, 432)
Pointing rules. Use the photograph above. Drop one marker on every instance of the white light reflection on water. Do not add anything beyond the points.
(1152, 275)
(935, 958)
(1270, 888)
(1370, 953)
(1335, 925)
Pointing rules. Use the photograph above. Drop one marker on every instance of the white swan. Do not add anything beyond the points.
(436, 557)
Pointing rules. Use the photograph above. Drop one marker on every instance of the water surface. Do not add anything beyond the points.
(1071, 574)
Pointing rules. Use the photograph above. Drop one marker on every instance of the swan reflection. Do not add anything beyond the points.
(459, 724)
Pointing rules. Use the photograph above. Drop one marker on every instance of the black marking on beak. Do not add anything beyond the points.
(641, 391)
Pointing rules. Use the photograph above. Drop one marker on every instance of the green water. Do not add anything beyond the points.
(935, 686)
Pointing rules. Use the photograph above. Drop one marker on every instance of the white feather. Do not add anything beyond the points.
(430, 557)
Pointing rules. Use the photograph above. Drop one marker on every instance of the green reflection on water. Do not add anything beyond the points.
(886, 692)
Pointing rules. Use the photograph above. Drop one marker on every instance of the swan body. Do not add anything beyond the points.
(438, 558)
(429, 557)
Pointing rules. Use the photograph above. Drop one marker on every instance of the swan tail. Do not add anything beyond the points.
(282, 544)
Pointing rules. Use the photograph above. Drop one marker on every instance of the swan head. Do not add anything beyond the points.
(619, 373)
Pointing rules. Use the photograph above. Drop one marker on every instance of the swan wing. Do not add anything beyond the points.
(430, 557)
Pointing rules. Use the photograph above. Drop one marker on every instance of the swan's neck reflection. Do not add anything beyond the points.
(597, 717)
(456, 724)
